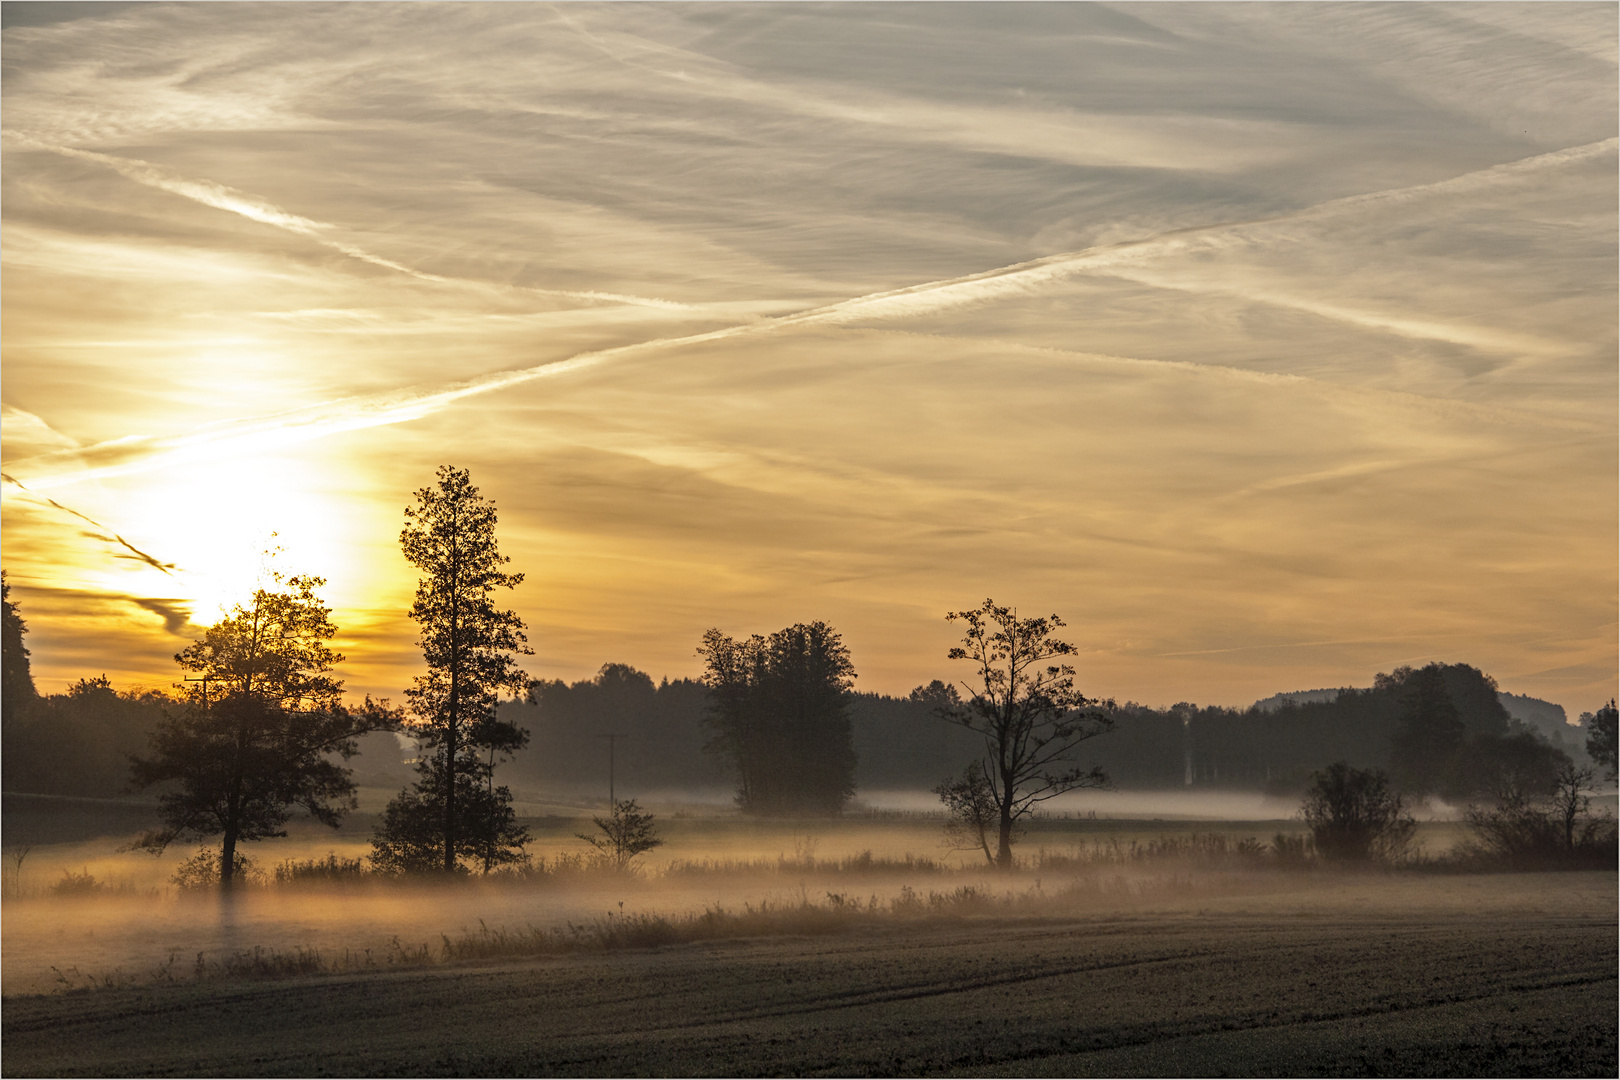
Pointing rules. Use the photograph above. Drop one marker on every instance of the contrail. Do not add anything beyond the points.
(140, 453)
(150, 560)
(265, 212)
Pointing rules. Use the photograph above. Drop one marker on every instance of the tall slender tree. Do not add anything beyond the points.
(17, 691)
(468, 644)
(1030, 715)
(259, 728)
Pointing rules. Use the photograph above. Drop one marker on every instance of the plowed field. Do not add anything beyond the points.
(1498, 992)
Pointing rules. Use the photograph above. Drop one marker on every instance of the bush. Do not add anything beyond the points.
(201, 871)
(626, 833)
(80, 884)
(1291, 850)
(1524, 830)
(331, 870)
(1355, 817)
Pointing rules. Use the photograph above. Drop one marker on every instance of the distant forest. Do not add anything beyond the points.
(77, 743)
(900, 743)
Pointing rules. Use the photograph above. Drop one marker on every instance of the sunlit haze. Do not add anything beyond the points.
(1272, 346)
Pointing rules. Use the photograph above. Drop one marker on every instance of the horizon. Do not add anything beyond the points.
(1271, 347)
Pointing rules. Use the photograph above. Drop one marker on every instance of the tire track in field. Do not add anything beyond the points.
(1237, 1024)
(1249, 950)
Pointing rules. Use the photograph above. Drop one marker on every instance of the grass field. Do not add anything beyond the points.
(857, 946)
(1241, 975)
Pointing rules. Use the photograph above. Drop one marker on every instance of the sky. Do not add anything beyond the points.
(1270, 346)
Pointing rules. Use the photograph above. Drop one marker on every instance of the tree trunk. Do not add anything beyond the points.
(227, 862)
(1004, 840)
(450, 796)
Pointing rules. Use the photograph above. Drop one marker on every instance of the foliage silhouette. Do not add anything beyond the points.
(467, 643)
(17, 693)
(1354, 816)
(1527, 829)
(780, 716)
(1600, 743)
(971, 810)
(1028, 712)
(626, 832)
(258, 728)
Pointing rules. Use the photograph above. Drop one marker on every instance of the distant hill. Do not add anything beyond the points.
(1296, 697)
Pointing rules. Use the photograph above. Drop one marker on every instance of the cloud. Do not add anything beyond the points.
(175, 612)
(254, 208)
(134, 552)
(1204, 325)
(139, 453)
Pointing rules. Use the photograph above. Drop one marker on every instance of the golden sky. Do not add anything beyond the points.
(1271, 346)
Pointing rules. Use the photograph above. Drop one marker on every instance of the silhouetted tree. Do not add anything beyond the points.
(1600, 740)
(1354, 816)
(1429, 733)
(1553, 827)
(1028, 712)
(971, 810)
(1490, 764)
(780, 716)
(626, 832)
(79, 742)
(259, 727)
(663, 723)
(467, 642)
(16, 679)
(410, 837)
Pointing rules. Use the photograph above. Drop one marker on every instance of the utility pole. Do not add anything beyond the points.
(612, 738)
(208, 652)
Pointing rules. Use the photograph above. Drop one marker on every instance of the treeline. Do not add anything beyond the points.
(1442, 729)
(79, 742)
(663, 733)
(1451, 719)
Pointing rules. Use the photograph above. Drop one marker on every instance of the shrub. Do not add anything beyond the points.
(81, 884)
(1527, 830)
(332, 870)
(201, 871)
(1355, 817)
(626, 833)
(1291, 850)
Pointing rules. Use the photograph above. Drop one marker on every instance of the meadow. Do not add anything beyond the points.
(1119, 946)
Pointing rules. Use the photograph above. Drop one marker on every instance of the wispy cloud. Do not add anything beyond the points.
(134, 552)
(139, 453)
(221, 197)
(1204, 325)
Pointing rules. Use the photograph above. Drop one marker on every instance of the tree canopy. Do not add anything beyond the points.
(780, 716)
(16, 679)
(1024, 704)
(259, 727)
(468, 644)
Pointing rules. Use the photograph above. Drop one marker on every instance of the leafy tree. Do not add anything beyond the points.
(17, 691)
(626, 832)
(1490, 764)
(79, 742)
(780, 714)
(971, 810)
(1028, 712)
(1354, 816)
(1429, 733)
(1550, 827)
(1600, 743)
(663, 724)
(258, 729)
(467, 643)
(410, 838)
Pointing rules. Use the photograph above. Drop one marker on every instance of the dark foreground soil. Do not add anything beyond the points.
(1498, 994)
